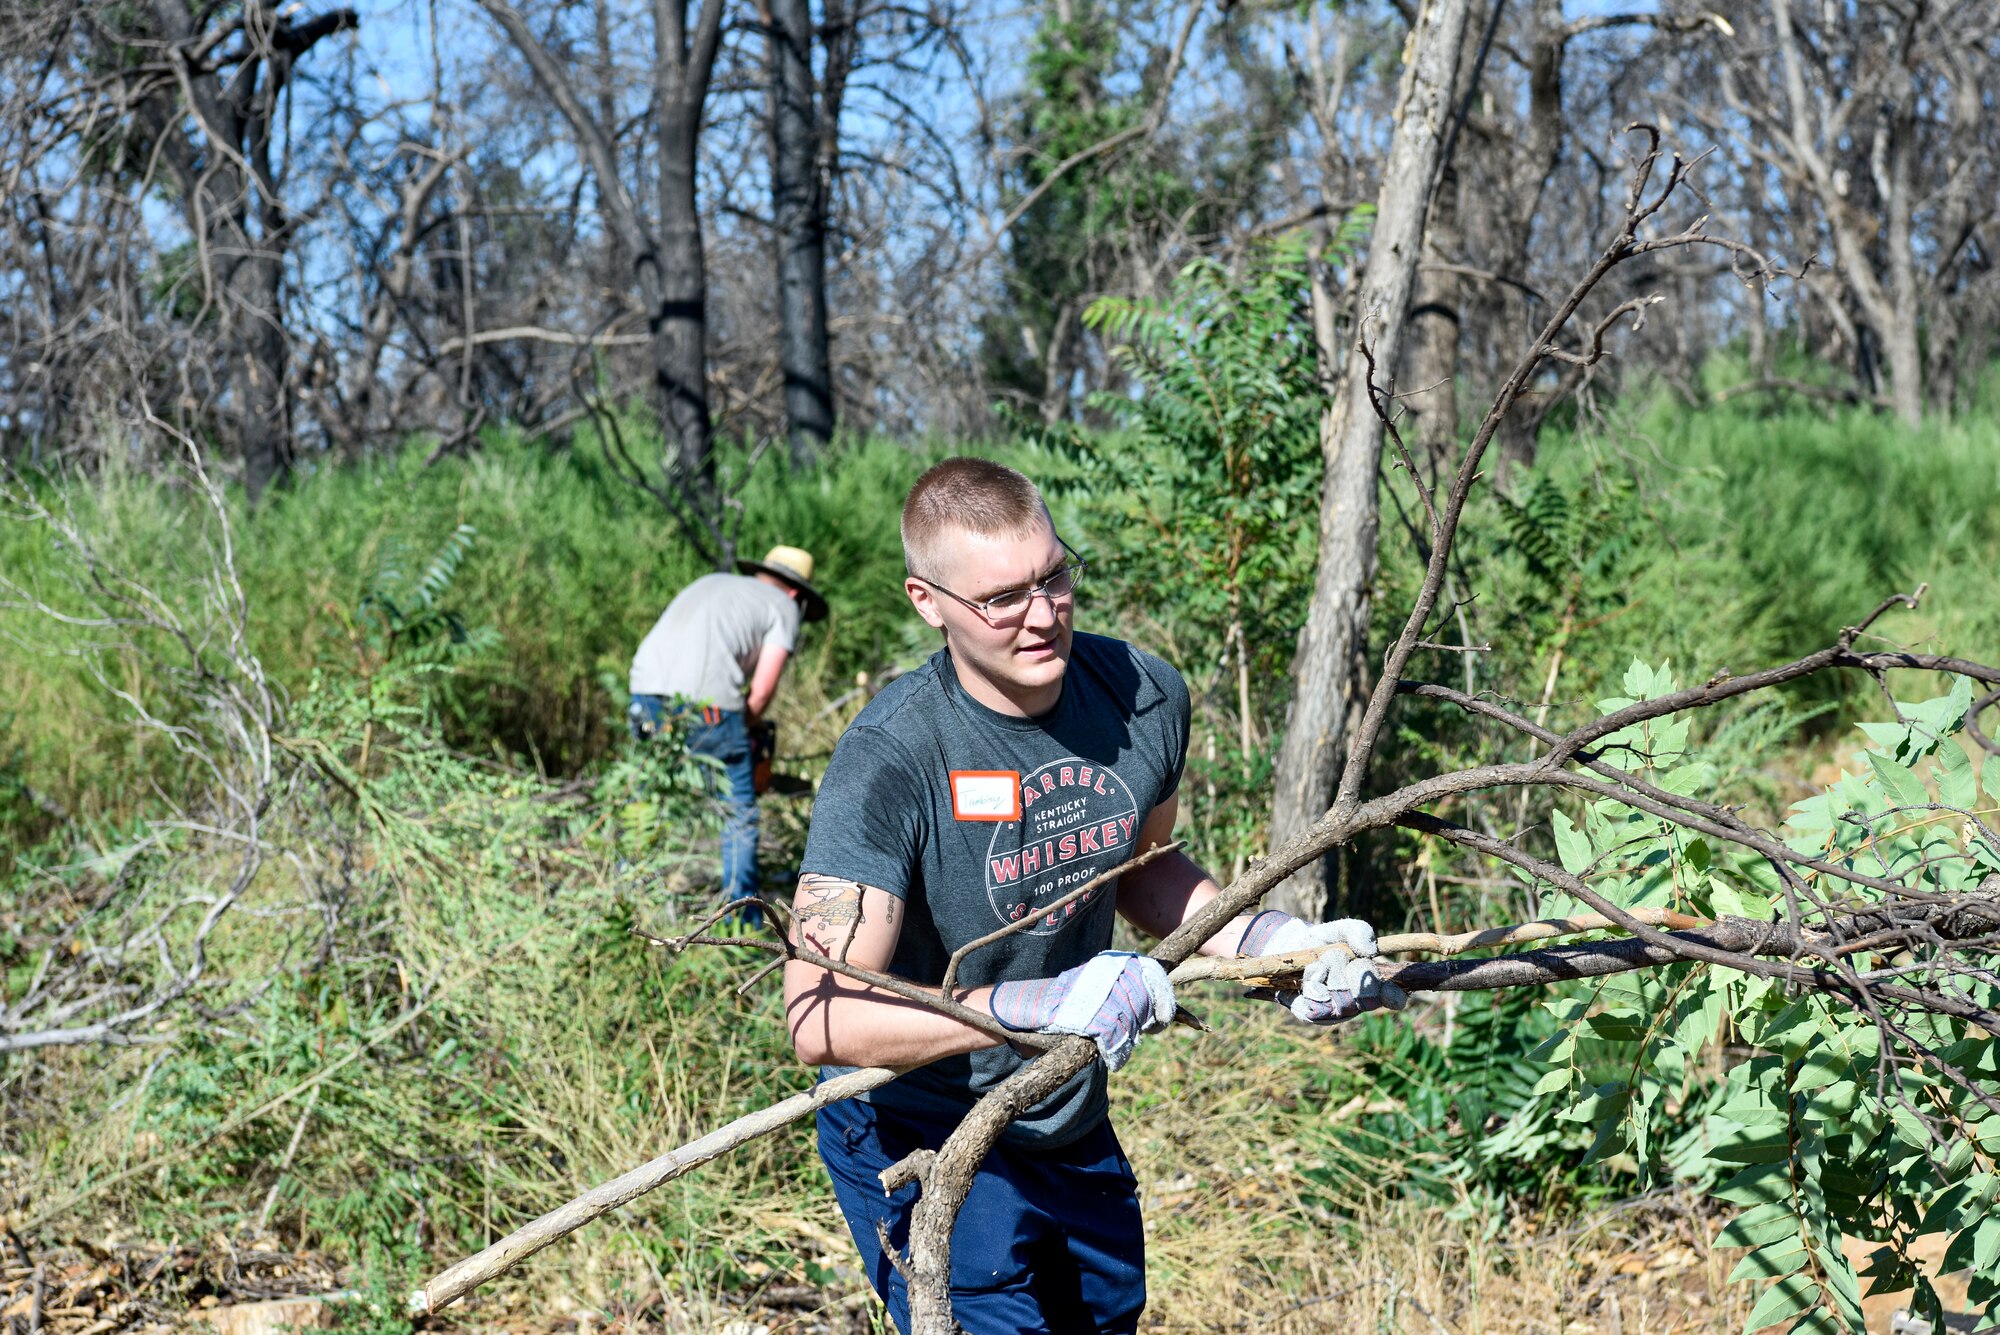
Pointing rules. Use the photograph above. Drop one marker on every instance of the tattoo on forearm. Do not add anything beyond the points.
(827, 908)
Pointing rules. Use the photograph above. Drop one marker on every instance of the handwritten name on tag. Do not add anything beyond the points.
(986, 794)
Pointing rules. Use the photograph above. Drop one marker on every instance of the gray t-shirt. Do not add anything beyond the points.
(705, 645)
(976, 819)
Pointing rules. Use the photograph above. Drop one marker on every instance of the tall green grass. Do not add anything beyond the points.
(1748, 534)
(1806, 520)
(569, 567)
(1755, 533)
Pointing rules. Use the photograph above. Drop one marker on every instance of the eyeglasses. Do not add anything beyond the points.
(1012, 604)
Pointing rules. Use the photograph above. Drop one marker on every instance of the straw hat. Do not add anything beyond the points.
(794, 565)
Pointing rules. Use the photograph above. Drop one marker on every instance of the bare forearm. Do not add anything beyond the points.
(1160, 896)
(837, 1021)
(762, 687)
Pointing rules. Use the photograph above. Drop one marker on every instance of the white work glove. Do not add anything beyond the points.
(1336, 986)
(1110, 998)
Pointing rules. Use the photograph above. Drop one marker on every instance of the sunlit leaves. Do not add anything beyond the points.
(1819, 1134)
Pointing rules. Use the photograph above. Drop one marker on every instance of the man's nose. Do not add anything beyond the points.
(1042, 613)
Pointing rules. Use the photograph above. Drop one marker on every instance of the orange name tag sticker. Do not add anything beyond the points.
(986, 794)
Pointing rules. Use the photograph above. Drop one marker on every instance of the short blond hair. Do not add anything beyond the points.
(972, 495)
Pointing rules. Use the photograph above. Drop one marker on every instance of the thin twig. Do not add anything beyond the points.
(1026, 921)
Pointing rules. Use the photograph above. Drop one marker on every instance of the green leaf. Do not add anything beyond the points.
(1909, 1130)
(1728, 899)
(1889, 736)
(1752, 1106)
(1931, 721)
(1557, 1047)
(1782, 1301)
(1572, 846)
(1838, 1275)
(1791, 1029)
(1956, 785)
(1614, 1137)
(1759, 1225)
(1821, 1068)
(1989, 777)
(1601, 1104)
(1552, 1081)
(1959, 1205)
(1839, 1175)
(1623, 1026)
(1902, 787)
(1958, 1256)
(1835, 1102)
(1761, 1149)
(1772, 1261)
(1757, 1185)
(1697, 1017)
(1986, 1243)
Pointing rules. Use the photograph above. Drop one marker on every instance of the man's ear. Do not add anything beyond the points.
(924, 600)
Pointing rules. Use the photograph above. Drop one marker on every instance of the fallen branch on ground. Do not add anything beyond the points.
(560, 1222)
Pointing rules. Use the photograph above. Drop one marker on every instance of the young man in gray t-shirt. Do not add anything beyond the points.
(1021, 761)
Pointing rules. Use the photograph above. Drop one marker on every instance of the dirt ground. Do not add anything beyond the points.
(1647, 1268)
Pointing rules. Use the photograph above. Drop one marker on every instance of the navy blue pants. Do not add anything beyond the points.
(1047, 1242)
(724, 735)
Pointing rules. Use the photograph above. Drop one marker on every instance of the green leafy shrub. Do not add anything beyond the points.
(1201, 509)
(1828, 1123)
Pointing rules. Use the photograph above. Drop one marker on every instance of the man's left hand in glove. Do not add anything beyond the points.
(1337, 986)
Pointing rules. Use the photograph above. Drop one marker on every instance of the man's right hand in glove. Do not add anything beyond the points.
(1110, 998)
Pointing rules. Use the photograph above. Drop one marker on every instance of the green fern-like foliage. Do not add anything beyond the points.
(409, 616)
(1199, 513)
(1207, 496)
(1569, 536)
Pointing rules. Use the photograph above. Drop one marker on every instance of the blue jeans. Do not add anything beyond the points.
(723, 734)
(1047, 1242)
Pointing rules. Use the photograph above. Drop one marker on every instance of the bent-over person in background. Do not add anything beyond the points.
(717, 653)
(1022, 760)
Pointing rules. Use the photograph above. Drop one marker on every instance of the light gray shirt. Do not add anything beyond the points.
(705, 645)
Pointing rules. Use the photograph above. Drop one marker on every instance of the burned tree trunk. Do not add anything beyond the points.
(674, 272)
(212, 121)
(798, 190)
(670, 268)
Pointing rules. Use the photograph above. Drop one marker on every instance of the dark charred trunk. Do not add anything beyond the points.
(677, 308)
(798, 188)
(258, 367)
(674, 277)
(215, 137)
